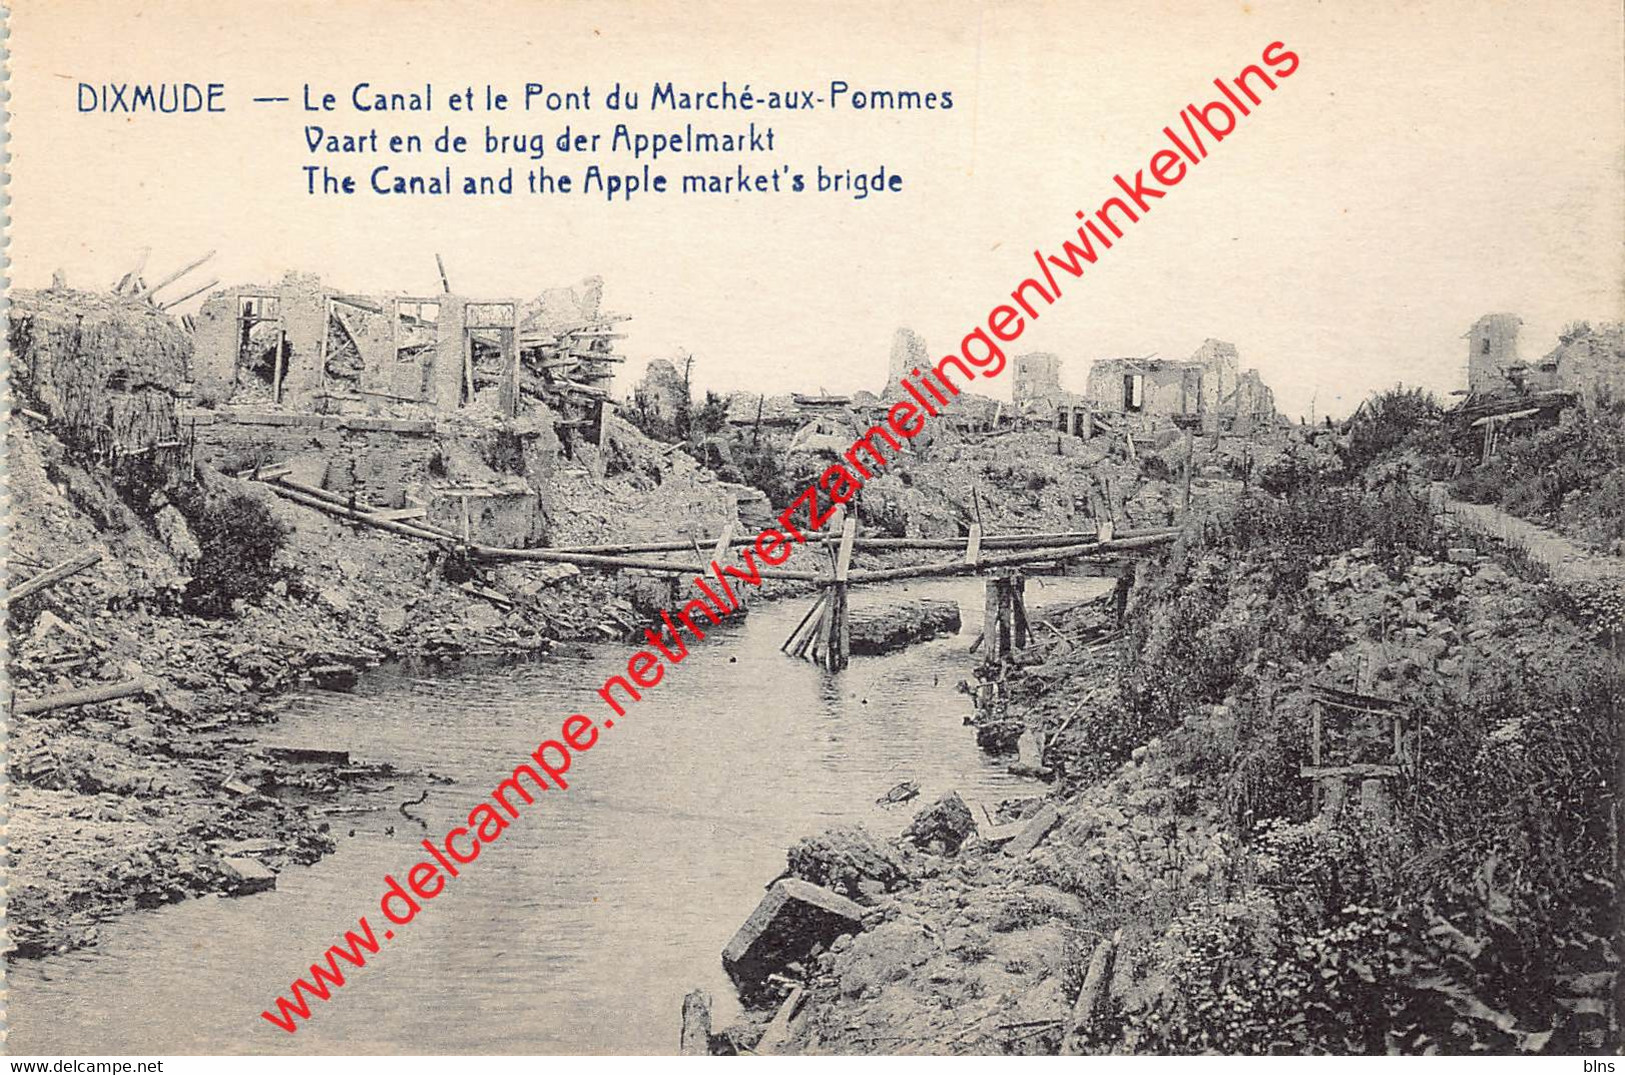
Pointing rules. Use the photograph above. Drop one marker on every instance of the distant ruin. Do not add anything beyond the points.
(1586, 360)
(1209, 385)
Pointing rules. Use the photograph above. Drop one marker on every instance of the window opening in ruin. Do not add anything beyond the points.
(1133, 391)
(342, 361)
(1484, 349)
(491, 353)
(262, 348)
(417, 337)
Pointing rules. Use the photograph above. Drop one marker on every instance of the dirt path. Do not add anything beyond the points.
(1568, 561)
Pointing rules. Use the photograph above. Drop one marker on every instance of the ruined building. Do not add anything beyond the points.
(1210, 385)
(1585, 361)
(1037, 377)
(302, 345)
(1492, 352)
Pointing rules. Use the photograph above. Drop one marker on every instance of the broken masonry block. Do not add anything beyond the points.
(943, 826)
(696, 1035)
(1033, 831)
(793, 918)
(335, 677)
(1463, 555)
(245, 877)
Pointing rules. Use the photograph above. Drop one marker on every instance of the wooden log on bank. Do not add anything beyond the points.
(372, 513)
(344, 512)
(54, 575)
(486, 552)
(87, 696)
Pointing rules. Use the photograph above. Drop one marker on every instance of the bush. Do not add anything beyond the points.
(1391, 422)
(239, 539)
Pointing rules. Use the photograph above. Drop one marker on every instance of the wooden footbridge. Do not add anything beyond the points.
(822, 635)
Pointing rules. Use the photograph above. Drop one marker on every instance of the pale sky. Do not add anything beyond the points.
(1427, 163)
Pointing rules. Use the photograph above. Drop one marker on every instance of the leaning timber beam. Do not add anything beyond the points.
(959, 567)
(624, 562)
(87, 696)
(147, 292)
(192, 294)
(372, 513)
(343, 512)
(52, 576)
(485, 552)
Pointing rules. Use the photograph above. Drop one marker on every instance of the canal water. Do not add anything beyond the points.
(582, 928)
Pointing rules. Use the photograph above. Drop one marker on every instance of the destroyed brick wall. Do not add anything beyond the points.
(1145, 386)
(106, 369)
(1037, 377)
(378, 459)
(380, 466)
(1221, 371)
(908, 353)
(344, 353)
(1492, 348)
(503, 513)
(1252, 398)
(1588, 361)
(241, 334)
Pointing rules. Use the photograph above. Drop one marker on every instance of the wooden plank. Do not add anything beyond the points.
(724, 540)
(795, 643)
(52, 576)
(395, 515)
(194, 293)
(843, 559)
(958, 567)
(973, 545)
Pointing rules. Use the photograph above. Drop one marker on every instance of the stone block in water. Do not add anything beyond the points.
(247, 876)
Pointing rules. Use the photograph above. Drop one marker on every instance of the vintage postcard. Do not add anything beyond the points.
(959, 528)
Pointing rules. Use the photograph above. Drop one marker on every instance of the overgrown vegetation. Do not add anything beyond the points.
(1569, 475)
(1476, 911)
(239, 539)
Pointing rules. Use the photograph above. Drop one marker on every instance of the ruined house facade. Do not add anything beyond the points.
(380, 396)
(304, 346)
(1210, 384)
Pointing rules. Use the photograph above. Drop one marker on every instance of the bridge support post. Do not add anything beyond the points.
(824, 635)
(1004, 617)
